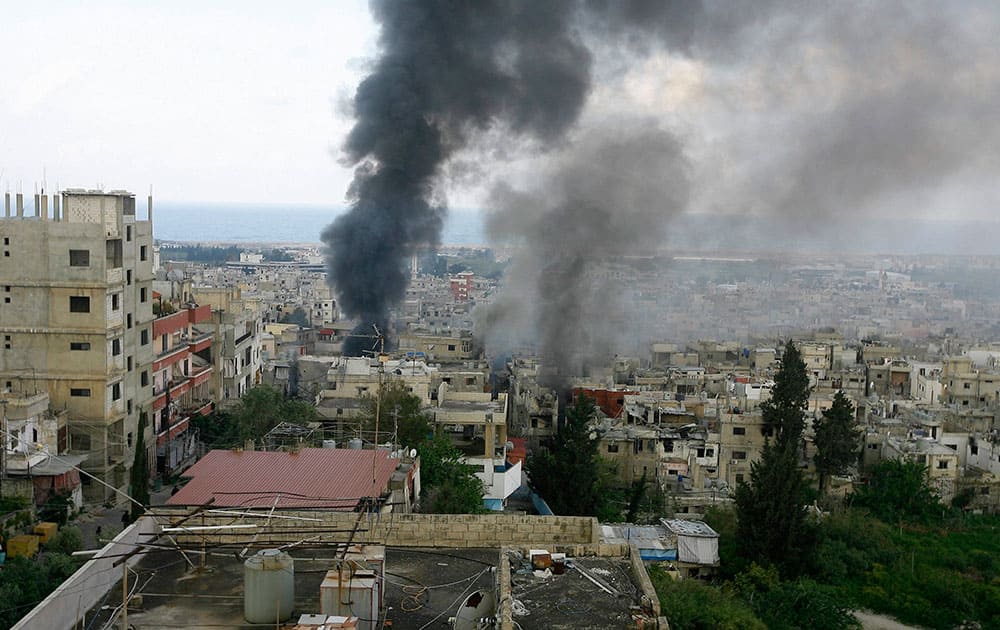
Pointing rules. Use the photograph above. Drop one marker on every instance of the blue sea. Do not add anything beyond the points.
(277, 223)
(291, 223)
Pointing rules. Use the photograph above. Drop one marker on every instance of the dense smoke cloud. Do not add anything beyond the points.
(610, 195)
(445, 70)
(812, 115)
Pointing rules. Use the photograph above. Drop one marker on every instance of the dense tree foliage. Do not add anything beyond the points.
(837, 438)
(567, 471)
(449, 485)
(259, 410)
(401, 411)
(25, 582)
(784, 412)
(899, 490)
(298, 317)
(939, 573)
(200, 253)
(139, 479)
(772, 525)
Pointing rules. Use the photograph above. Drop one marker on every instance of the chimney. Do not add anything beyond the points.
(19, 200)
(45, 207)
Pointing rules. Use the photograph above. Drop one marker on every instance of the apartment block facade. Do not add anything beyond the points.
(76, 321)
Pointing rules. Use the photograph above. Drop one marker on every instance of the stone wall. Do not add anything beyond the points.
(398, 530)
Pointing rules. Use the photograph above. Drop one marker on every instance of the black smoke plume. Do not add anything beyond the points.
(445, 70)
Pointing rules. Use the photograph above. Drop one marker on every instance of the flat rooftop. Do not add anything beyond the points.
(594, 593)
(421, 584)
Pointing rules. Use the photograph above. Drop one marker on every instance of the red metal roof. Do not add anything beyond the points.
(313, 477)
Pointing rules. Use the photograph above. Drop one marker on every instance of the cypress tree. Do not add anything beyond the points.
(771, 517)
(837, 440)
(139, 479)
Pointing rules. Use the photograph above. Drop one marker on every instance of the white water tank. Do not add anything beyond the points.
(355, 444)
(329, 443)
(268, 587)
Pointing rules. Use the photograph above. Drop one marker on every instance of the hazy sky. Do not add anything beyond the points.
(211, 101)
(796, 108)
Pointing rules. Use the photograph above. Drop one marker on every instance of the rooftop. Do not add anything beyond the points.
(311, 477)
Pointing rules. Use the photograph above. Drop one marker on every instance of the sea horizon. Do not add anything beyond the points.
(300, 223)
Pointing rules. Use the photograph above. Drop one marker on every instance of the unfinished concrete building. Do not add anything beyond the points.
(77, 317)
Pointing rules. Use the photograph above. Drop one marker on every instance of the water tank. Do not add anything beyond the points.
(268, 587)
(329, 443)
(355, 444)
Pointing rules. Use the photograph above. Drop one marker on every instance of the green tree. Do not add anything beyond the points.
(800, 603)
(898, 491)
(400, 411)
(837, 440)
(566, 472)
(771, 516)
(449, 485)
(297, 316)
(784, 413)
(139, 482)
(262, 408)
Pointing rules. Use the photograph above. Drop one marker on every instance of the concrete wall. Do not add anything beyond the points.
(85, 588)
(402, 530)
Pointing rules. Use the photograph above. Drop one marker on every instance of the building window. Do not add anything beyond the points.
(612, 447)
(128, 406)
(144, 378)
(142, 252)
(115, 302)
(79, 392)
(128, 232)
(739, 454)
(128, 277)
(942, 464)
(739, 431)
(142, 295)
(79, 304)
(966, 385)
(128, 320)
(128, 364)
(79, 258)
(451, 347)
(79, 345)
(116, 391)
(6, 342)
(144, 336)
(116, 347)
(739, 478)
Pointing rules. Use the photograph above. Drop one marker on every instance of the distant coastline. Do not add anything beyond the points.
(277, 223)
(244, 223)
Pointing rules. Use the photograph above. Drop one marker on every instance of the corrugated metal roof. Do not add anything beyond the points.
(313, 477)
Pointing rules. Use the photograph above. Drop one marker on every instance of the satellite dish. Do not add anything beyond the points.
(474, 609)
(413, 452)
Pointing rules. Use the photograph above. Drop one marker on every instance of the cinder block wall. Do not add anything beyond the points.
(398, 530)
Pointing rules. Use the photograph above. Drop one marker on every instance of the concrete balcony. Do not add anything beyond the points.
(115, 275)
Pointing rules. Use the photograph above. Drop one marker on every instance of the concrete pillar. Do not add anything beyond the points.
(55, 207)
(149, 208)
(6, 204)
(489, 438)
(45, 207)
(38, 206)
(19, 202)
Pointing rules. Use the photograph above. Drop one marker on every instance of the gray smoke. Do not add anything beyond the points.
(445, 70)
(608, 196)
(814, 115)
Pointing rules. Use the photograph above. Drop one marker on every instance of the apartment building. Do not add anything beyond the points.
(183, 382)
(76, 318)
